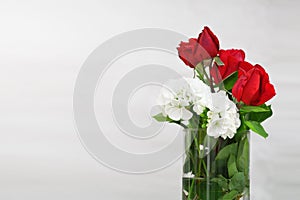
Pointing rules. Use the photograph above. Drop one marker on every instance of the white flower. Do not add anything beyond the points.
(165, 97)
(201, 95)
(221, 127)
(175, 99)
(198, 108)
(223, 117)
(181, 95)
(176, 110)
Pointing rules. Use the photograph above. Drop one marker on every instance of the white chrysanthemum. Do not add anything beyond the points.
(223, 117)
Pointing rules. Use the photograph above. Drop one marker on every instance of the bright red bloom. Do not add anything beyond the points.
(231, 59)
(196, 50)
(253, 86)
(244, 67)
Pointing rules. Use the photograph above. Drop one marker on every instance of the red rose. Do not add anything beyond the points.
(231, 59)
(196, 50)
(244, 67)
(209, 41)
(189, 52)
(253, 86)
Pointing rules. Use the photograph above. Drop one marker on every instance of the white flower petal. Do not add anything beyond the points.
(198, 109)
(174, 113)
(186, 115)
(165, 97)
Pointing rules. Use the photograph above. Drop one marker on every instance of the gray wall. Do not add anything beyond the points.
(43, 45)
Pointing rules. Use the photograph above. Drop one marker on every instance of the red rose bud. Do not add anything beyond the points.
(231, 59)
(253, 86)
(209, 41)
(196, 50)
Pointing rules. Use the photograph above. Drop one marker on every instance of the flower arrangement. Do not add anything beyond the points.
(218, 107)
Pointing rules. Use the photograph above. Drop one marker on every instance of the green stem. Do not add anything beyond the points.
(198, 172)
(191, 189)
(211, 83)
(205, 74)
(204, 166)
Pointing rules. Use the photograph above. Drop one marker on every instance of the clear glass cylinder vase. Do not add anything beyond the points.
(215, 168)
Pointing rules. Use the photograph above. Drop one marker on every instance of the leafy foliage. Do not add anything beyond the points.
(161, 118)
(261, 116)
(227, 151)
(257, 128)
(230, 81)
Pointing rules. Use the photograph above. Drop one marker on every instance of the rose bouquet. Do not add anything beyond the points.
(217, 109)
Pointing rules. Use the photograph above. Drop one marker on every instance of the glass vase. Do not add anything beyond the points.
(215, 168)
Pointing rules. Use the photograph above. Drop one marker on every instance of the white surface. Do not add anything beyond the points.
(43, 45)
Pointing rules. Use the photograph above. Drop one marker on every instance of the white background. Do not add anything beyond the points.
(42, 47)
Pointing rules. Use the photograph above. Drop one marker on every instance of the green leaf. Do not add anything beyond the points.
(222, 182)
(231, 165)
(200, 71)
(238, 182)
(261, 116)
(219, 167)
(218, 61)
(242, 130)
(209, 188)
(246, 109)
(161, 118)
(243, 156)
(199, 68)
(230, 81)
(231, 195)
(257, 127)
(227, 150)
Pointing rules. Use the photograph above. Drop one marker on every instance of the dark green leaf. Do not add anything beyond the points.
(230, 81)
(238, 182)
(257, 127)
(231, 195)
(231, 165)
(226, 151)
(219, 167)
(262, 116)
